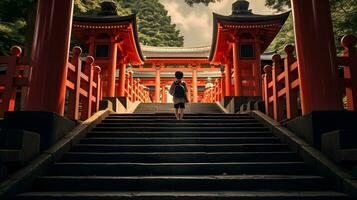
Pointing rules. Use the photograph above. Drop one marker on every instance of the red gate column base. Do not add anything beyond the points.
(233, 103)
(313, 125)
(51, 126)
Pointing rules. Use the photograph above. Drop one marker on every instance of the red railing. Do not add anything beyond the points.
(83, 84)
(134, 90)
(83, 87)
(13, 80)
(213, 94)
(281, 85)
(281, 82)
(349, 63)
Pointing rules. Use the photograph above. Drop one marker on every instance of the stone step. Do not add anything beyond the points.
(172, 116)
(212, 195)
(184, 157)
(180, 148)
(184, 129)
(180, 183)
(155, 134)
(191, 115)
(166, 169)
(173, 120)
(181, 140)
(180, 124)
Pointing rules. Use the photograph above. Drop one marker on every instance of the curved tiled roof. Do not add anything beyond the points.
(175, 52)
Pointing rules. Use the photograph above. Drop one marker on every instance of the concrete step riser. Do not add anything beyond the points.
(109, 196)
(204, 157)
(179, 141)
(179, 184)
(186, 117)
(178, 134)
(183, 129)
(180, 125)
(181, 148)
(217, 121)
(139, 169)
(180, 158)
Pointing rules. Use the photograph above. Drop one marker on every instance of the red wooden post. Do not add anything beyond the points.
(73, 100)
(163, 94)
(223, 83)
(122, 66)
(237, 71)
(316, 55)
(228, 79)
(112, 68)
(87, 102)
(189, 92)
(97, 70)
(9, 93)
(126, 84)
(257, 68)
(291, 97)
(137, 81)
(349, 44)
(194, 84)
(278, 103)
(267, 79)
(50, 56)
(157, 84)
(91, 45)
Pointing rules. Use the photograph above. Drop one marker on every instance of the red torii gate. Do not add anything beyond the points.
(314, 41)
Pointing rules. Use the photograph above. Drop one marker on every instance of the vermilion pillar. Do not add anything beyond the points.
(122, 66)
(257, 69)
(163, 93)
(237, 74)
(91, 45)
(112, 69)
(316, 55)
(50, 56)
(157, 84)
(194, 84)
(228, 80)
(189, 92)
(223, 82)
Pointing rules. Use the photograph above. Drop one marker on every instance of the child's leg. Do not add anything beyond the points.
(177, 113)
(182, 110)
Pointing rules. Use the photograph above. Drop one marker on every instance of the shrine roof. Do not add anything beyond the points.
(242, 18)
(104, 19)
(175, 52)
(111, 23)
(250, 17)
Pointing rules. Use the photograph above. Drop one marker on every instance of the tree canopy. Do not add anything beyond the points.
(344, 18)
(206, 2)
(155, 27)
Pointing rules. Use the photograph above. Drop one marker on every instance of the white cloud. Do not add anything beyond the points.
(195, 22)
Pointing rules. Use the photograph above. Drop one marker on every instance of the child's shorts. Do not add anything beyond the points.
(179, 105)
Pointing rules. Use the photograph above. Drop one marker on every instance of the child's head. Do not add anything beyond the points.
(179, 75)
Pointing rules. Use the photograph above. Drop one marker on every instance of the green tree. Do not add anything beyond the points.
(344, 18)
(17, 19)
(154, 25)
(206, 2)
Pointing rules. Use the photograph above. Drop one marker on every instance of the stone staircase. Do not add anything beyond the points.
(210, 156)
(192, 108)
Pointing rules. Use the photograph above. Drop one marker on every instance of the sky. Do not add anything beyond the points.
(195, 23)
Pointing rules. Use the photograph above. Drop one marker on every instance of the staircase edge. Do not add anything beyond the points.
(343, 182)
(22, 180)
